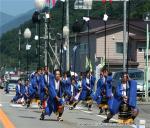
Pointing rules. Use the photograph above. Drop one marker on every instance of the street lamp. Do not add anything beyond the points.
(88, 5)
(39, 4)
(36, 20)
(105, 18)
(19, 35)
(146, 18)
(66, 33)
(27, 35)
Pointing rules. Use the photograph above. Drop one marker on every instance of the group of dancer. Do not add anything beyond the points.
(58, 90)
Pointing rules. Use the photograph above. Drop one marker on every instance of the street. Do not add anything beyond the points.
(20, 117)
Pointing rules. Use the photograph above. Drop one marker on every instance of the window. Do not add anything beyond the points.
(119, 47)
(83, 48)
(141, 49)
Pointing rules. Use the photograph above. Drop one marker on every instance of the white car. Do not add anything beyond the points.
(135, 74)
(12, 86)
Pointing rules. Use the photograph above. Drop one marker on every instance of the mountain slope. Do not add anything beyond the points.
(5, 18)
(16, 22)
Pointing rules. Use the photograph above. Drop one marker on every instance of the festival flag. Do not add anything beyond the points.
(51, 3)
(103, 1)
(86, 62)
(90, 65)
(74, 48)
(110, 1)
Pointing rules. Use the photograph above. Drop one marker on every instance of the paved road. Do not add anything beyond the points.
(21, 117)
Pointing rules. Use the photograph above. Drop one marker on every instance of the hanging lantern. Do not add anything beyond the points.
(35, 17)
(77, 26)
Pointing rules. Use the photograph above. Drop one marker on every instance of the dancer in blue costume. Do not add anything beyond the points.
(26, 94)
(66, 84)
(87, 89)
(54, 103)
(42, 88)
(20, 90)
(104, 95)
(126, 93)
(33, 90)
(74, 92)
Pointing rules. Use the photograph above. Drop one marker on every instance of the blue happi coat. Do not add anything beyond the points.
(20, 90)
(52, 102)
(66, 86)
(33, 88)
(85, 91)
(26, 94)
(131, 93)
(41, 87)
(101, 86)
(75, 89)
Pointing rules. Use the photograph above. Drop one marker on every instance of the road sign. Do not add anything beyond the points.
(81, 4)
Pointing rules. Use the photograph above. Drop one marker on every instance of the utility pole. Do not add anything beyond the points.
(19, 48)
(45, 53)
(147, 69)
(56, 53)
(67, 36)
(125, 36)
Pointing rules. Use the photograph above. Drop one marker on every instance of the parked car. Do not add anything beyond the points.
(135, 74)
(12, 85)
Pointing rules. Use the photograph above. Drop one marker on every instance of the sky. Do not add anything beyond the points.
(16, 7)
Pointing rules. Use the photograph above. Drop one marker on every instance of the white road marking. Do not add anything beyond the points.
(16, 105)
(11, 95)
(78, 108)
(4, 102)
(86, 111)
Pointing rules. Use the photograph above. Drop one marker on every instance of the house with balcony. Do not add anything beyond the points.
(114, 45)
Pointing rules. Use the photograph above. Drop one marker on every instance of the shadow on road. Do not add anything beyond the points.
(30, 117)
(84, 119)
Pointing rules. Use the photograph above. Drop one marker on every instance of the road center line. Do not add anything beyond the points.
(5, 120)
